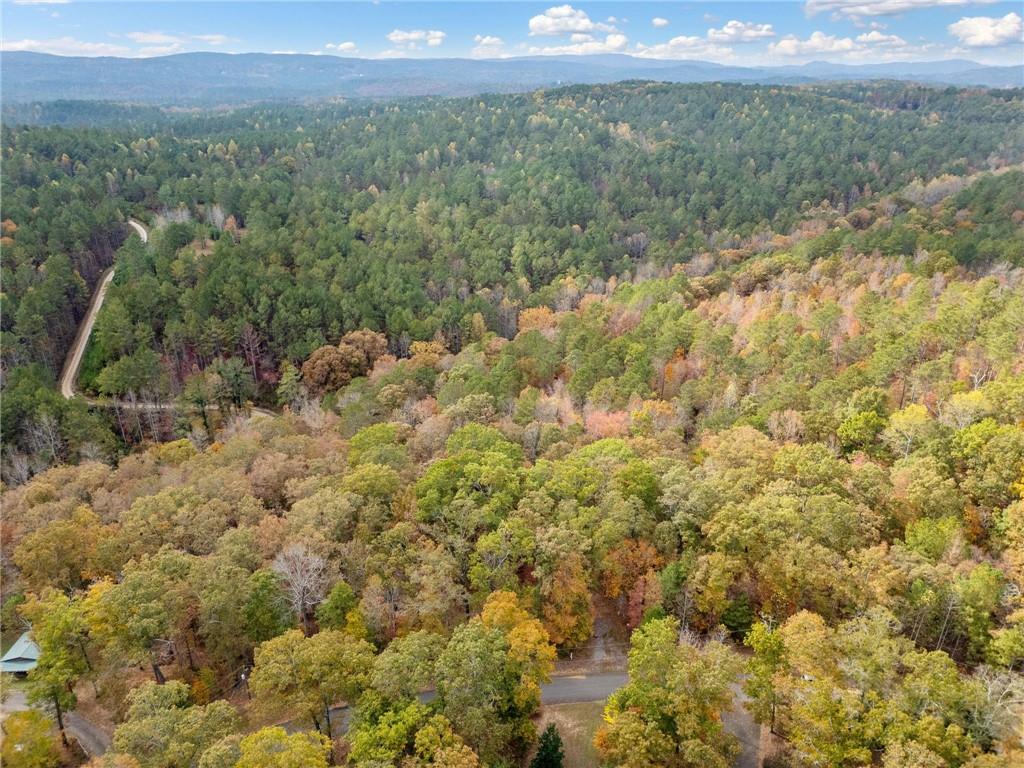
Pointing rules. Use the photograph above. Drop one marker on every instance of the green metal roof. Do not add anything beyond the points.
(22, 656)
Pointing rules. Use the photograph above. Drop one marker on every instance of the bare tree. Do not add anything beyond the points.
(252, 346)
(215, 215)
(304, 575)
(199, 438)
(131, 400)
(977, 364)
(43, 434)
(1000, 709)
(508, 318)
(91, 451)
(311, 412)
(152, 410)
(16, 467)
(636, 245)
(786, 426)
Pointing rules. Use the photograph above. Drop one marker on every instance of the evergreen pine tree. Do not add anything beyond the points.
(549, 751)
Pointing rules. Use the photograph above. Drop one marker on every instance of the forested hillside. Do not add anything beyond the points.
(736, 370)
(409, 219)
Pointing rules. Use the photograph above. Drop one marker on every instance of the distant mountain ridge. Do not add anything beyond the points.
(220, 78)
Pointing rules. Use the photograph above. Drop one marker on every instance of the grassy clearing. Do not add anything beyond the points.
(577, 724)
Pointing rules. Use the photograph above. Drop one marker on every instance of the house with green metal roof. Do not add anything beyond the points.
(21, 657)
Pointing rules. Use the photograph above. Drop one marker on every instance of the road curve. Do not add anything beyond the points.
(93, 739)
(141, 230)
(69, 375)
(578, 689)
(598, 686)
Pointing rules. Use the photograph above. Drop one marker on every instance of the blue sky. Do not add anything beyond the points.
(849, 31)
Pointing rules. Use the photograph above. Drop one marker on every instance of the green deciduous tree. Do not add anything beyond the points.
(670, 711)
(163, 730)
(309, 675)
(489, 676)
(276, 748)
(265, 613)
(406, 666)
(768, 659)
(28, 741)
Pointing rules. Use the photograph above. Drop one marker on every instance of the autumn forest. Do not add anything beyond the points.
(412, 427)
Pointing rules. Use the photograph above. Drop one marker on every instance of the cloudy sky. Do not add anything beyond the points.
(850, 31)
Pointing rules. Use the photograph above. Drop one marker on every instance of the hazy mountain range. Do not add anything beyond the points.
(218, 78)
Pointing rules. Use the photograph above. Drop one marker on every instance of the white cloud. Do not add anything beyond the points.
(658, 21)
(41, 2)
(874, 37)
(612, 43)
(873, 46)
(212, 39)
(684, 47)
(856, 8)
(156, 43)
(740, 32)
(713, 46)
(487, 47)
(564, 20)
(986, 32)
(153, 38)
(65, 46)
(410, 39)
(817, 43)
(346, 47)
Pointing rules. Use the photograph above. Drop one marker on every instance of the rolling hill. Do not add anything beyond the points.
(204, 79)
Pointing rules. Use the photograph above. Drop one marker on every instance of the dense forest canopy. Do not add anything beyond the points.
(739, 369)
(409, 218)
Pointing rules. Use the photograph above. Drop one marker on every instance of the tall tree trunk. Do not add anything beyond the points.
(120, 424)
(327, 719)
(188, 652)
(85, 656)
(329, 734)
(60, 720)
